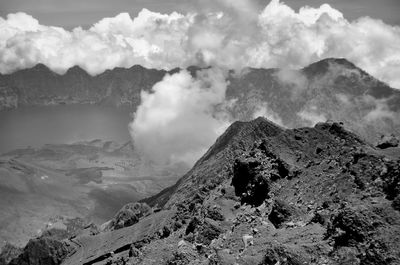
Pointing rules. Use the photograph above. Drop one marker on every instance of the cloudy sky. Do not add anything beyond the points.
(100, 34)
(73, 13)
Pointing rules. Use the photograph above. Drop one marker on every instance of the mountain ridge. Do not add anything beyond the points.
(331, 89)
(263, 194)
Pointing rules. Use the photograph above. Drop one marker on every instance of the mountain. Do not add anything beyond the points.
(262, 194)
(331, 89)
(40, 86)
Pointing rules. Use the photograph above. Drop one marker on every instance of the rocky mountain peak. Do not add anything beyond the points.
(41, 68)
(322, 67)
(77, 71)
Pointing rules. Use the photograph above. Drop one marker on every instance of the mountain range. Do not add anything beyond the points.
(331, 89)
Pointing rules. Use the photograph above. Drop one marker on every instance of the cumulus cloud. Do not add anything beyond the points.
(230, 34)
(181, 117)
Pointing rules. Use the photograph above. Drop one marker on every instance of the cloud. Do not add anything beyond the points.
(181, 117)
(295, 80)
(223, 33)
(311, 115)
(378, 110)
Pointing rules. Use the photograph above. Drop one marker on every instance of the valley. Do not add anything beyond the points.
(91, 180)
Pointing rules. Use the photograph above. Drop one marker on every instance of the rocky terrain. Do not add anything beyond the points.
(331, 89)
(262, 194)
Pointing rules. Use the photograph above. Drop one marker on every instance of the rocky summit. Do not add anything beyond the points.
(262, 194)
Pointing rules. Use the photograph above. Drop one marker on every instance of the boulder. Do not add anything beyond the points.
(388, 141)
(129, 215)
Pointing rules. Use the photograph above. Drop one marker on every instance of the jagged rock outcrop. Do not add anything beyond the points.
(253, 174)
(128, 215)
(44, 251)
(9, 252)
(388, 141)
(52, 246)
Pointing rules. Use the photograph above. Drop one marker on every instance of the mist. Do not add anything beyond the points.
(181, 117)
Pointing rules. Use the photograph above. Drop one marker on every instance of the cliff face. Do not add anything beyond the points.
(266, 195)
(332, 89)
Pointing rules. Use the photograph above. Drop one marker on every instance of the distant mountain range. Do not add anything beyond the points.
(331, 89)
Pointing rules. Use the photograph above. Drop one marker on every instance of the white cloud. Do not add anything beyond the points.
(311, 115)
(230, 35)
(181, 117)
(380, 110)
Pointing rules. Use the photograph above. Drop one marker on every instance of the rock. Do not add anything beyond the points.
(181, 243)
(391, 179)
(192, 225)
(164, 232)
(281, 255)
(43, 251)
(9, 252)
(203, 231)
(129, 215)
(253, 174)
(183, 255)
(247, 240)
(349, 227)
(215, 213)
(290, 224)
(281, 212)
(387, 142)
(319, 218)
(134, 252)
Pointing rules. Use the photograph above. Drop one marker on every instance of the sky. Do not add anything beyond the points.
(73, 13)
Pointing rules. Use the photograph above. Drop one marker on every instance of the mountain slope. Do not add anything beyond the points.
(266, 195)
